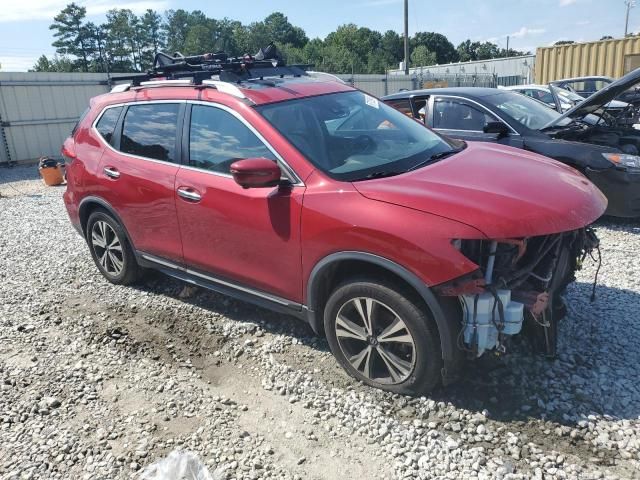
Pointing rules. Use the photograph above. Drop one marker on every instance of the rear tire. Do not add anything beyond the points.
(382, 335)
(110, 249)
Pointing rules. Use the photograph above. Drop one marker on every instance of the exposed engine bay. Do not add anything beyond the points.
(618, 132)
(519, 287)
(613, 128)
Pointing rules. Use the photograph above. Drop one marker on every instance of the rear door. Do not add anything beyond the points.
(137, 173)
(464, 119)
(249, 237)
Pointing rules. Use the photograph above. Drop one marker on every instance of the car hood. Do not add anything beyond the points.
(599, 99)
(504, 192)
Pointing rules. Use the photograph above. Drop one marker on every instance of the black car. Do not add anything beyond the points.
(579, 138)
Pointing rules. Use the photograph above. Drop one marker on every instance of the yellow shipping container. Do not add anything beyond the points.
(611, 58)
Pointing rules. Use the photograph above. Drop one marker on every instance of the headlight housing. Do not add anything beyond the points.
(623, 159)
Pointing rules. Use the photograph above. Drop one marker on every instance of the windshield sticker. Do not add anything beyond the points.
(372, 102)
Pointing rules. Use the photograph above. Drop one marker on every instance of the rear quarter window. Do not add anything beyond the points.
(107, 123)
(75, 127)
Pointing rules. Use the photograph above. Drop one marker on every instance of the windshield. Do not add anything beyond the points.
(569, 97)
(525, 110)
(352, 136)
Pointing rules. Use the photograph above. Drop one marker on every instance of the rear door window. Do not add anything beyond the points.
(150, 131)
(107, 123)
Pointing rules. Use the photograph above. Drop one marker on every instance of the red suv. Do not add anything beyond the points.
(408, 250)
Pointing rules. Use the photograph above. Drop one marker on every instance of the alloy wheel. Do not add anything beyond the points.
(107, 247)
(375, 340)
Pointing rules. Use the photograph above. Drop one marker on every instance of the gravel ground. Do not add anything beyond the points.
(99, 381)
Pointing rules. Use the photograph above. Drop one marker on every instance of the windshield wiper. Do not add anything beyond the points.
(436, 156)
(380, 174)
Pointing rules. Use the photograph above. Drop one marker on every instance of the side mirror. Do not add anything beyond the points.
(496, 127)
(256, 172)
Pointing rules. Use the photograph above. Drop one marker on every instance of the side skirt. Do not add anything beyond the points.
(226, 287)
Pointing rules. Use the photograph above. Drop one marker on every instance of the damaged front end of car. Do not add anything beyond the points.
(518, 287)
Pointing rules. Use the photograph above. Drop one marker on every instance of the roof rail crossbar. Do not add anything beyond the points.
(266, 63)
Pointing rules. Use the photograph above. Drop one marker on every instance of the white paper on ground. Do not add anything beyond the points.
(179, 465)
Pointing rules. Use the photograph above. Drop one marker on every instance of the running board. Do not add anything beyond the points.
(210, 282)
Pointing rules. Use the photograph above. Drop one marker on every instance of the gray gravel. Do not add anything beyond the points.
(99, 381)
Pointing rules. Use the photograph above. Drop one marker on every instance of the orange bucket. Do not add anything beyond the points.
(52, 175)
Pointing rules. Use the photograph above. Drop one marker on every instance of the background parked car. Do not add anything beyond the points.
(508, 118)
(561, 100)
(587, 86)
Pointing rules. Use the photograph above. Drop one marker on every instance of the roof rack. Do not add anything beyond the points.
(200, 68)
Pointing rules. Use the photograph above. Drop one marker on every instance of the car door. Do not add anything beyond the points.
(248, 236)
(138, 170)
(464, 119)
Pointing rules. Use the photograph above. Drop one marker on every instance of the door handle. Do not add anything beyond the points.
(189, 194)
(111, 172)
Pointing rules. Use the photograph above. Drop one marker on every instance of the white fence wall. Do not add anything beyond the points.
(38, 111)
(522, 66)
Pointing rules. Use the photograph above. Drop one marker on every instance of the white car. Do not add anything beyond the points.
(568, 99)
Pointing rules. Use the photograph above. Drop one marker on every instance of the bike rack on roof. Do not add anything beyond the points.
(200, 70)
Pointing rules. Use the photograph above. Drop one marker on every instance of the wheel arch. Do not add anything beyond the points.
(444, 313)
(90, 204)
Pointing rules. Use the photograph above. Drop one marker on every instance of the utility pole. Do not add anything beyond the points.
(406, 37)
(507, 45)
(630, 4)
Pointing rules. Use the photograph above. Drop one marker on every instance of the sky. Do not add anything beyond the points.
(25, 34)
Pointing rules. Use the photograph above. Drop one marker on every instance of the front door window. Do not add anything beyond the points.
(454, 114)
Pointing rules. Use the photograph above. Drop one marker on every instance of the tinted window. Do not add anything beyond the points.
(217, 139)
(353, 136)
(107, 123)
(403, 106)
(150, 131)
(84, 114)
(524, 110)
(542, 96)
(459, 115)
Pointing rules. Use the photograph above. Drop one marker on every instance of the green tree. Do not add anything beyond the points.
(422, 56)
(437, 43)
(225, 36)
(176, 29)
(154, 35)
(292, 55)
(487, 50)
(122, 40)
(72, 36)
(55, 64)
(352, 49)
(564, 42)
(282, 32)
(467, 51)
(392, 46)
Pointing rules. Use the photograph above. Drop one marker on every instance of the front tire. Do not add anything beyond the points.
(110, 249)
(382, 335)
